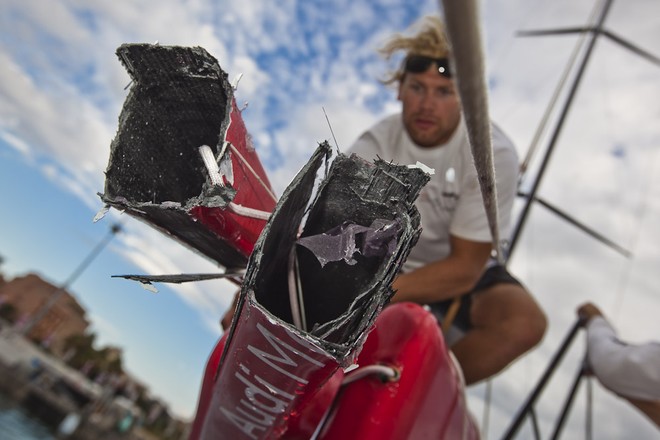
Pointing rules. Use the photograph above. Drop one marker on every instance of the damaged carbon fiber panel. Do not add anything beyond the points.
(366, 208)
(180, 100)
(349, 224)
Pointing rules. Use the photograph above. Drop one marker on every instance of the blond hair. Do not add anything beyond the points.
(429, 39)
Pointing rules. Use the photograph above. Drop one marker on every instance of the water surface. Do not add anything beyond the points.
(17, 424)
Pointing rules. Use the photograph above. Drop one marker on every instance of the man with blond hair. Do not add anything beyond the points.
(498, 320)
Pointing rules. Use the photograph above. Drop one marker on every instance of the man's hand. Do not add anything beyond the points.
(587, 311)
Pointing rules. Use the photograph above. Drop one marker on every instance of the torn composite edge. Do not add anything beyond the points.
(395, 175)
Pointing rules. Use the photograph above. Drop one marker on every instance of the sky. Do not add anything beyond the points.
(62, 88)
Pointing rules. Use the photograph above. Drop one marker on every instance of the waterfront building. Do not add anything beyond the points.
(28, 294)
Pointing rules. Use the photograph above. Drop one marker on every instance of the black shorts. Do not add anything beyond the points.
(493, 275)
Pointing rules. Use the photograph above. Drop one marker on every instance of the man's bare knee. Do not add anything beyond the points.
(528, 330)
(512, 313)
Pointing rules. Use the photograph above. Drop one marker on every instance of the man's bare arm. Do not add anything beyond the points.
(446, 278)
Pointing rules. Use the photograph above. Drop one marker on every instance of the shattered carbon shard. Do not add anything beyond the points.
(180, 100)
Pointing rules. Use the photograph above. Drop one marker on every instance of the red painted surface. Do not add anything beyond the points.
(207, 388)
(267, 378)
(240, 231)
(427, 402)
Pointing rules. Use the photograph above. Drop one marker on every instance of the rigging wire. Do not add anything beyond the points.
(542, 127)
(330, 127)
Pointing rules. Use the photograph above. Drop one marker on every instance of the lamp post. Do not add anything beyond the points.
(45, 308)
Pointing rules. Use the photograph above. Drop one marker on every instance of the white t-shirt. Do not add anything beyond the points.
(451, 203)
(629, 370)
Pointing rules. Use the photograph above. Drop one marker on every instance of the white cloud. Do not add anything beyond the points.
(19, 144)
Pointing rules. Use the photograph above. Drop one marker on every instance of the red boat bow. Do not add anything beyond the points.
(318, 276)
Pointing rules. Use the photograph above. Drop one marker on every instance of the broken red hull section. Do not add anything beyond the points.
(428, 401)
(180, 100)
(273, 380)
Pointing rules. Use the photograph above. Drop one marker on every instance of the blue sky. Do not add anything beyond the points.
(61, 91)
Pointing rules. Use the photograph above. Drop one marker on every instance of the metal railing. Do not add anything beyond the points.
(527, 410)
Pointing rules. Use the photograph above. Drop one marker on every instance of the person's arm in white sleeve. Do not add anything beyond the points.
(631, 371)
(626, 369)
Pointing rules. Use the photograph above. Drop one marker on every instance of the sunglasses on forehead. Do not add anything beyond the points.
(420, 64)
